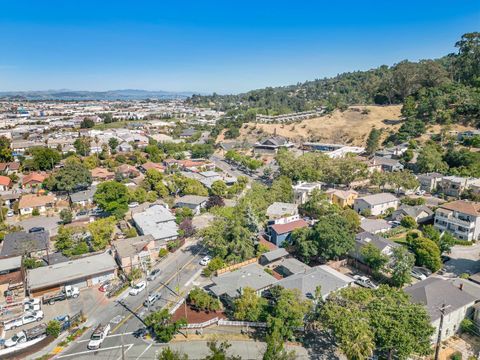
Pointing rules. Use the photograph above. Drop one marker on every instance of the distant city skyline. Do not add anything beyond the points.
(216, 46)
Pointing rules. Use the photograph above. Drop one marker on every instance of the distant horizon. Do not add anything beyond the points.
(217, 46)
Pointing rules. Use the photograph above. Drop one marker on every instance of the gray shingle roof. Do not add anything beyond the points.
(434, 292)
(278, 209)
(191, 200)
(275, 254)
(21, 242)
(364, 238)
(157, 221)
(377, 199)
(83, 195)
(374, 225)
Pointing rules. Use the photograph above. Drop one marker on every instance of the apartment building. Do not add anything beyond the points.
(456, 185)
(460, 218)
(377, 204)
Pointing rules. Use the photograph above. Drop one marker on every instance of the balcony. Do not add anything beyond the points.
(450, 218)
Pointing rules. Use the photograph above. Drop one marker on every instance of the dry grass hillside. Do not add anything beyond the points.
(348, 127)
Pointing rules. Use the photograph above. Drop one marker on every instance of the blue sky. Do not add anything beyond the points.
(223, 46)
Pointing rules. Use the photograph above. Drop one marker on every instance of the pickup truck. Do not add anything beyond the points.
(25, 319)
(27, 335)
(98, 335)
(66, 293)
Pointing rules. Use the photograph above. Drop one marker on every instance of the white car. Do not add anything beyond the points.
(365, 282)
(32, 305)
(205, 261)
(420, 192)
(25, 319)
(137, 288)
(98, 335)
(133, 205)
(10, 213)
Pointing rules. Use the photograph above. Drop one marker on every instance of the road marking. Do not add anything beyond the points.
(144, 351)
(108, 336)
(94, 351)
(121, 356)
(125, 319)
(193, 277)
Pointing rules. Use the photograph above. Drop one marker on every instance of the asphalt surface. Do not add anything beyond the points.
(125, 313)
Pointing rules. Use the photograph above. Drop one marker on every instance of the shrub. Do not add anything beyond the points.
(463, 242)
(203, 300)
(54, 328)
(36, 212)
(162, 252)
(131, 232)
(215, 264)
(366, 212)
(408, 222)
(468, 326)
(456, 356)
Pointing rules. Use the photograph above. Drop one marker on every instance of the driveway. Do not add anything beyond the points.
(464, 259)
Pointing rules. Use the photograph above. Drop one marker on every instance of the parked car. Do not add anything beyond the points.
(420, 192)
(31, 305)
(365, 282)
(151, 299)
(36, 229)
(133, 205)
(153, 274)
(82, 213)
(98, 336)
(418, 274)
(138, 288)
(27, 335)
(66, 293)
(423, 270)
(205, 261)
(24, 320)
(140, 333)
(10, 213)
(445, 258)
(104, 287)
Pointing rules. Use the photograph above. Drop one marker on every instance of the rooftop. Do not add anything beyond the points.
(21, 242)
(463, 206)
(288, 227)
(157, 221)
(279, 209)
(377, 199)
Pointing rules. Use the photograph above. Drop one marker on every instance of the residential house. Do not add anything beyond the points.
(187, 133)
(30, 202)
(272, 256)
(33, 180)
(333, 151)
(303, 190)
(11, 274)
(279, 233)
(196, 165)
(271, 145)
(322, 277)
(365, 238)
(430, 182)
(456, 185)
(131, 253)
(376, 204)
(230, 285)
(420, 213)
(9, 167)
(102, 174)
(468, 134)
(387, 164)
(290, 266)
(194, 202)
(10, 198)
(342, 198)
(128, 171)
(157, 221)
(124, 147)
(374, 226)
(439, 295)
(280, 210)
(5, 183)
(461, 218)
(83, 272)
(151, 165)
(83, 198)
(17, 243)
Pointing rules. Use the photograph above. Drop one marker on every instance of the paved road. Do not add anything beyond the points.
(464, 259)
(227, 168)
(178, 272)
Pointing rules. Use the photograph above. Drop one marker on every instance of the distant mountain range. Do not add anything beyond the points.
(128, 94)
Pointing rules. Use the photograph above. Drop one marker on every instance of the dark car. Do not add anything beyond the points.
(140, 333)
(36, 229)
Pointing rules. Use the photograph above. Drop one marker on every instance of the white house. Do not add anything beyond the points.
(378, 204)
(460, 218)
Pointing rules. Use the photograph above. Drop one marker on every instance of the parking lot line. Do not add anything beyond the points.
(144, 351)
(94, 351)
(106, 337)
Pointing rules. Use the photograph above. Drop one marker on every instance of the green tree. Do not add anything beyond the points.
(275, 341)
(5, 149)
(403, 262)
(72, 176)
(113, 143)
(82, 145)
(219, 188)
(430, 159)
(54, 328)
(162, 325)
(282, 190)
(44, 158)
(409, 108)
(408, 222)
(203, 300)
(249, 306)
(467, 62)
(373, 141)
(218, 351)
(64, 240)
(333, 236)
(87, 123)
(373, 257)
(169, 354)
(66, 216)
(102, 231)
(112, 197)
(426, 253)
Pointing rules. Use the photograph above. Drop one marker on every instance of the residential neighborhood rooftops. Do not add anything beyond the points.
(8, 263)
(33, 200)
(21, 242)
(275, 254)
(84, 195)
(232, 283)
(365, 238)
(157, 221)
(463, 206)
(436, 292)
(131, 246)
(65, 272)
(374, 225)
(34, 177)
(279, 209)
(377, 199)
(290, 226)
(191, 199)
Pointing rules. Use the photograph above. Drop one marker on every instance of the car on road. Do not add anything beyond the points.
(36, 229)
(418, 274)
(31, 305)
(151, 299)
(140, 333)
(138, 288)
(98, 336)
(365, 282)
(445, 258)
(153, 274)
(422, 270)
(24, 320)
(205, 261)
(81, 213)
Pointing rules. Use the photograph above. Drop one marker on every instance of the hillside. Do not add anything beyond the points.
(351, 126)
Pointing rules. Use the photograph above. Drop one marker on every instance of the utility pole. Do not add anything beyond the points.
(146, 283)
(123, 347)
(440, 328)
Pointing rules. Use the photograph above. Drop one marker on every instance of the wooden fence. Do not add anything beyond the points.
(236, 266)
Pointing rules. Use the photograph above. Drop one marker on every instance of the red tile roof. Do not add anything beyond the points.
(34, 177)
(151, 165)
(5, 181)
(466, 207)
(289, 227)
